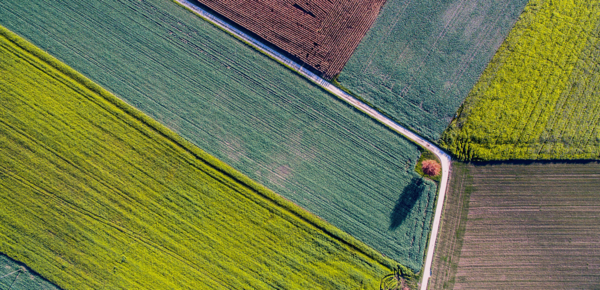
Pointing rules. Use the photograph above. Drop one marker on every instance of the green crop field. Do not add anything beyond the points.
(94, 195)
(15, 276)
(538, 98)
(532, 225)
(420, 59)
(245, 109)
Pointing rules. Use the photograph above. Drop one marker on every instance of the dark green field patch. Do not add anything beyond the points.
(16, 276)
(539, 97)
(421, 58)
(96, 195)
(242, 107)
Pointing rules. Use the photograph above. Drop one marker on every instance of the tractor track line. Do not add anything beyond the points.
(444, 158)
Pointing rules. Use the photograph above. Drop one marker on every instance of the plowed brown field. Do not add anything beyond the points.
(322, 34)
(520, 226)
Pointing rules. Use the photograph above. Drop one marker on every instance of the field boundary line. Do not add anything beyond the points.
(277, 201)
(329, 87)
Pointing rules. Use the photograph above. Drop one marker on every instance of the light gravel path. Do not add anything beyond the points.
(444, 158)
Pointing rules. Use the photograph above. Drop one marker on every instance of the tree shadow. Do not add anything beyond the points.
(406, 202)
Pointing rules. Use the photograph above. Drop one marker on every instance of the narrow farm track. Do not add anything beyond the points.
(443, 157)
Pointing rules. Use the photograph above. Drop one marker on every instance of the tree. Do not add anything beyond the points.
(431, 167)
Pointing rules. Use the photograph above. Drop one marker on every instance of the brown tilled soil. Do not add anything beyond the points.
(452, 228)
(529, 226)
(321, 33)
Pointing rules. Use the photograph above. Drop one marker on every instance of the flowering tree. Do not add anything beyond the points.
(431, 167)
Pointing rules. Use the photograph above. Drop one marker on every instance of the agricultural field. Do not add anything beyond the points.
(95, 195)
(420, 59)
(16, 276)
(452, 228)
(528, 225)
(320, 33)
(538, 98)
(245, 109)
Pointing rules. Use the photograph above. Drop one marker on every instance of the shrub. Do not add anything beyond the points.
(431, 167)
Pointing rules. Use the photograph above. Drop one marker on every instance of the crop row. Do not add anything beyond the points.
(531, 226)
(538, 99)
(452, 229)
(94, 194)
(243, 108)
(419, 60)
(322, 34)
(16, 276)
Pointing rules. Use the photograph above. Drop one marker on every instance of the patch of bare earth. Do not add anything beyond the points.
(529, 226)
(323, 34)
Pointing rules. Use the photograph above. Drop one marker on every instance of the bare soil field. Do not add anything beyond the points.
(520, 226)
(322, 34)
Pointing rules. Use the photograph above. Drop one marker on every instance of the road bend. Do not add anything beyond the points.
(442, 156)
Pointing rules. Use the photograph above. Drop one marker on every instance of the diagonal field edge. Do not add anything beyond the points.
(444, 158)
(211, 161)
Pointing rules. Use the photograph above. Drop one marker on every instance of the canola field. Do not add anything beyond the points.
(94, 195)
(539, 97)
(420, 59)
(245, 109)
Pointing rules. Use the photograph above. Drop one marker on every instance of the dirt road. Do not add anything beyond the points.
(444, 158)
